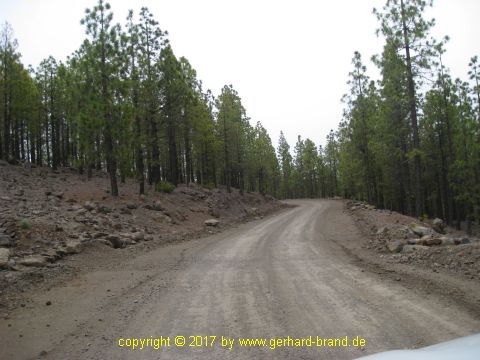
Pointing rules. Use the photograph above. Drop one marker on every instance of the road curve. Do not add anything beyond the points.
(286, 275)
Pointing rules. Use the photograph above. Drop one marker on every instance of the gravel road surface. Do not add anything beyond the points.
(289, 275)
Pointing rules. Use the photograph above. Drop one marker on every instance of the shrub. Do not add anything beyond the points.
(24, 224)
(164, 186)
(423, 217)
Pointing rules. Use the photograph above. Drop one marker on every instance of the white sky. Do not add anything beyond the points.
(289, 60)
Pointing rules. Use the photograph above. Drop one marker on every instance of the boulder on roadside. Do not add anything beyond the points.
(157, 206)
(116, 241)
(89, 205)
(212, 222)
(163, 218)
(396, 246)
(52, 254)
(4, 256)
(34, 261)
(213, 211)
(462, 241)
(421, 230)
(382, 231)
(6, 240)
(138, 236)
(73, 246)
(104, 209)
(438, 225)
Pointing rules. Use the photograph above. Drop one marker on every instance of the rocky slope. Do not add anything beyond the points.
(47, 215)
(430, 244)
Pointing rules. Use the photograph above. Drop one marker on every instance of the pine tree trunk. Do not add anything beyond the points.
(172, 151)
(419, 203)
(155, 164)
(227, 162)
(139, 156)
(6, 115)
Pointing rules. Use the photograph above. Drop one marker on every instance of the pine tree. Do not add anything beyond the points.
(104, 63)
(403, 23)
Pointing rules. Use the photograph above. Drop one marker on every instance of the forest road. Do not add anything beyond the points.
(287, 275)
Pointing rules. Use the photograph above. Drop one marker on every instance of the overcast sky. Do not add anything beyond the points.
(289, 60)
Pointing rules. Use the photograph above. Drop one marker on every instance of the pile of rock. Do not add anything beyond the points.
(418, 237)
(357, 205)
(8, 235)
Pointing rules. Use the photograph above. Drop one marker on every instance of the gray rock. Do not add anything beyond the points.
(396, 246)
(4, 256)
(212, 222)
(89, 205)
(99, 234)
(58, 194)
(52, 254)
(158, 206)
(80, 212)
(138, 236)
(125, 211)
(382, 231)
(131, 206)
(116, 241)
(214, 212)
(421, 230)
(6, 241)
(34, 260)
(73, 226)
(462, 241)
(446, 241)
(438, 226)
(163, 218)
(400, 232)
(73, 246)
(104, 209)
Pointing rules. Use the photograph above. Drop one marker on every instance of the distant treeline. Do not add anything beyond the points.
(125, 104)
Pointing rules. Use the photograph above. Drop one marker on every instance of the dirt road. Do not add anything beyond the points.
(292, 274)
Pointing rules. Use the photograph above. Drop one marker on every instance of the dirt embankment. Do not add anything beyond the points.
(46, 216)
(429, 245)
